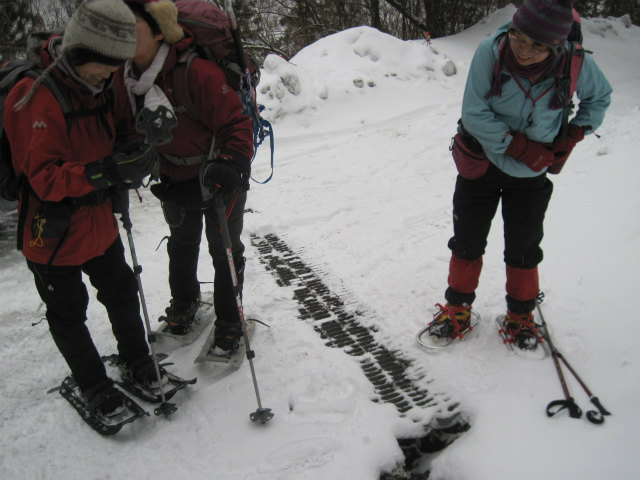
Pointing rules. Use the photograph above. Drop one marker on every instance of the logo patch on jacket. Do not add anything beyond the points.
(40, 124)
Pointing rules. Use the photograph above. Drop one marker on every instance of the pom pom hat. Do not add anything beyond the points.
(545, 21)
(165, 14)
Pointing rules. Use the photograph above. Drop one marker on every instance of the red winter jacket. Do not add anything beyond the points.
(220, 110)
(53, 162)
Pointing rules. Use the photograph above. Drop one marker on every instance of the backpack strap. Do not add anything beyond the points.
(183, 161)
(572, 68)
(65, 104)
(58, 92)
(180, 87)
(22, 218)
(577, 56)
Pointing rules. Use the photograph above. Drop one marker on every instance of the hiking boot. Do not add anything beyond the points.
(521, 331)
(105, 399)
(143, 372)
(180, 315)
(226, 338)
(450, 321)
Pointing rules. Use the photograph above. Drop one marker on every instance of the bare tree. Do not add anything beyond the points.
(17, 19)
(284, 27)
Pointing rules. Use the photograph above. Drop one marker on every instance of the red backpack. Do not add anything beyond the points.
(217, 39)
(214, 41)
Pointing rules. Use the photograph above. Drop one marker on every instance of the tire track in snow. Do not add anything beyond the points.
(395, 378)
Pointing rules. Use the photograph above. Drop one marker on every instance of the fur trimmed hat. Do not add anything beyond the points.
(165, 14)
(545, 21)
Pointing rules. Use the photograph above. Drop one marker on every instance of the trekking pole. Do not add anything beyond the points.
(165, 407)
(263, 415)
(593, 416)
(557, 405)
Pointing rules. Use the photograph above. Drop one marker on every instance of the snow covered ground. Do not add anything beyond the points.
(362, 191)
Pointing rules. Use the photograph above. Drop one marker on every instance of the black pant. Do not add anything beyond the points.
(65, 295)
(524, 204)
(184, 249)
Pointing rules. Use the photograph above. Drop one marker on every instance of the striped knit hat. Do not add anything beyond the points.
(545, 21)
(106, 27)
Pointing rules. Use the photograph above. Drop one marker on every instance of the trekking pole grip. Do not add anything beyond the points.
(559, 405)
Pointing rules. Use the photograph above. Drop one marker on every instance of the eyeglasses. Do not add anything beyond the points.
(538, 49)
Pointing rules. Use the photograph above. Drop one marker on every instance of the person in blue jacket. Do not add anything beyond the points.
(508, 139)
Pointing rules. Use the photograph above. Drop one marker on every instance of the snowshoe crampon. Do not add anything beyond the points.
(535, 349)
(102, 424)
(427, 340)
(150, 393)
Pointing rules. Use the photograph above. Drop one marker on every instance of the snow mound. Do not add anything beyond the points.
(355, 62)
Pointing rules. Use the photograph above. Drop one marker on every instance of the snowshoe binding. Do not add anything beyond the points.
(226, 344)
(185, 322)
(522, 335)
(140, 378)
(104, 408)
(450, 323)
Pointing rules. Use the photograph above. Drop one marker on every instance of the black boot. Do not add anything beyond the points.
(143, 372)
(226, 338)
(105, 399)
(180, 315)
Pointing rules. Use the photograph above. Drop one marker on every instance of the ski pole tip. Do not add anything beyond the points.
(166, 409)
(262, 415)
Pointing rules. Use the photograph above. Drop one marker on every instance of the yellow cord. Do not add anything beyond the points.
(39, 222)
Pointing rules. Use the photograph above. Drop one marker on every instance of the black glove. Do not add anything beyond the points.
(222, 176)
(125, 167)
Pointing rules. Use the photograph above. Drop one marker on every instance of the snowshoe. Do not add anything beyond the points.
(185, 325)
(522, 335)
(143, 382)
(451, 323)
(213, 350)
(105, 423)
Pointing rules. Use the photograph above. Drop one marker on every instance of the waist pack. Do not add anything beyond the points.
(468, 154)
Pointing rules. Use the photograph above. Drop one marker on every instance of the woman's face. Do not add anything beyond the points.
(93, 72)
(147, 44)
(526, 50)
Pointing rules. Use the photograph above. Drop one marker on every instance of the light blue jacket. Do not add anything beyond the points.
(490, 120)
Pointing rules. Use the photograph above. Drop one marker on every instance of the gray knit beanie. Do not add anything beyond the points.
(107, 27)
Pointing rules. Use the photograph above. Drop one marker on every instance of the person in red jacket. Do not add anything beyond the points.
(162, 42)
(71, 171)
